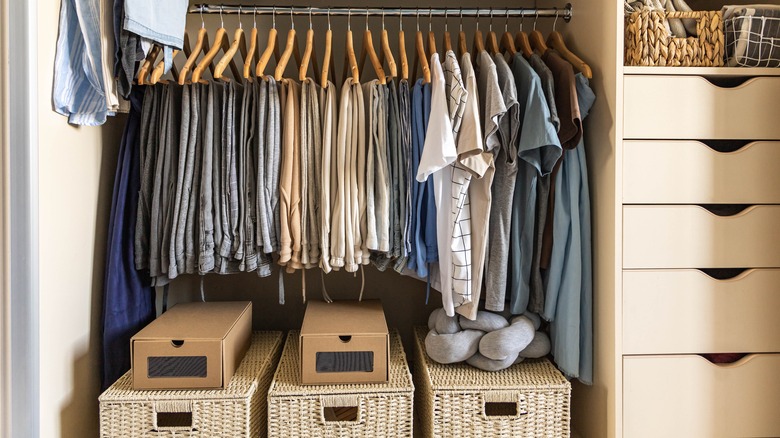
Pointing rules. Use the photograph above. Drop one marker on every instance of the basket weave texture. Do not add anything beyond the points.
(383, 409)
(239, 410)
(649, 43)
(451, 399)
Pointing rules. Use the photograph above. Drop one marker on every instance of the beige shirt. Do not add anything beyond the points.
(328, 184)
(290, 178)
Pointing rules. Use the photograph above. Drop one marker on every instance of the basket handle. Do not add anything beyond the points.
(502, 404)
(347, 408)
(174, 415)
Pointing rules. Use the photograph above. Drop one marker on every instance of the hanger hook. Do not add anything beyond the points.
(400, 21)
(418, 18)
(309, 17)
(292, 22)
(349, 19)
(366, 18)
(202, 23)
(536, 18)
(477, 18)
(328, 17)
(383, 18)
(522, 18)
(490, 27)
(461, 19)
(556, 18)
(430, 18)
(273, 17)
(240, 24)
(506, 23)
(446, 21)
(254, 17)
(222, 22)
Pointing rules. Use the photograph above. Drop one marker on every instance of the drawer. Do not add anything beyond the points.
(690, 236)
(691, 107)
(687, 396)
(690, 172)
(687, 311)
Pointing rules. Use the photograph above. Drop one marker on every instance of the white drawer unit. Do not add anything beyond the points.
(690, 236)
(688, 396)
(692, 107)
(687, 311)
(690, 172)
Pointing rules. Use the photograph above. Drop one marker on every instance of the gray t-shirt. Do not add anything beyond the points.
(503, 190)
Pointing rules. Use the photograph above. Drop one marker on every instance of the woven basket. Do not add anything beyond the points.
(239, 410)
(383, 409)
(648, 41)
(530, 399)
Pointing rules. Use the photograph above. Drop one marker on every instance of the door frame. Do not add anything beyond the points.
(19, 357)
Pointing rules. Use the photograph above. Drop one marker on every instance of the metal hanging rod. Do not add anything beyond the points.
(565, 13)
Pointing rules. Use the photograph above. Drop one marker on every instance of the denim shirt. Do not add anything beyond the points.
(160, 21)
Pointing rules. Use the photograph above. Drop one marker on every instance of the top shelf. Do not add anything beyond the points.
(702, 71)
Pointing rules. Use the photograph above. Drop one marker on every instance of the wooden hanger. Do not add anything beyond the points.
(463, 46)
(253, 49)
(146, 67)
(507, 42)
(159, 70)
(555, 40)
(402, 50)
(350, 60)
(537, 40)
(492, 43)
(289, 48)
(521, 41)
(238, 42)
(307, 55)
(272, 48)
(479, 44)
(447, 41)
(201, 46)
(420, 58)
(220, 42)
(386, 53)
(368, 51)
(327, 60)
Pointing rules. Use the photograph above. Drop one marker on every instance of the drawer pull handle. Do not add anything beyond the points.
(727, 82)
(725, 146)
(725, 210)
(723, 273)
(723, 358)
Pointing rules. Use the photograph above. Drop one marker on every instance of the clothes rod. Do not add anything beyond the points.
(497, 13)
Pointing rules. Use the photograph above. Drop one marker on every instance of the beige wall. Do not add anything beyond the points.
(76, 178)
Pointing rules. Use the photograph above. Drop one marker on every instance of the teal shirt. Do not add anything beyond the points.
(538, 150)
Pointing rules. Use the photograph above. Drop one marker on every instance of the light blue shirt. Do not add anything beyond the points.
(569, 299)
(538, 149)
(79, 91)
(159, 21)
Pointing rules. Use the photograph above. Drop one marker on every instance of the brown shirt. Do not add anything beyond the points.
(570, 133)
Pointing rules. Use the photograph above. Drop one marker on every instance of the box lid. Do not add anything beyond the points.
(195, 321)
(344, 317)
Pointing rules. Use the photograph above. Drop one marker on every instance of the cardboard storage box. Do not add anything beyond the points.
(344, 342)
(528, 399)
(370, 410)
(192, 345)
(237, 411)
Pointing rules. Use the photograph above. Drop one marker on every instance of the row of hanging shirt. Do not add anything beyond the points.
(474, 181)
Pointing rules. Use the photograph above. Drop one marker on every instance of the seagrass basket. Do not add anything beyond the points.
(359, 410)
(239, 410)
(529, 399)
(649, 43)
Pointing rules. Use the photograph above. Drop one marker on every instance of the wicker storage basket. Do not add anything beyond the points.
(530, 399)
(383, 410)
(236, 411)
(648, 41)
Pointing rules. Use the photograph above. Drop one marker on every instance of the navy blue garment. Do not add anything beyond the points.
(423, 225)
(128, 298)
